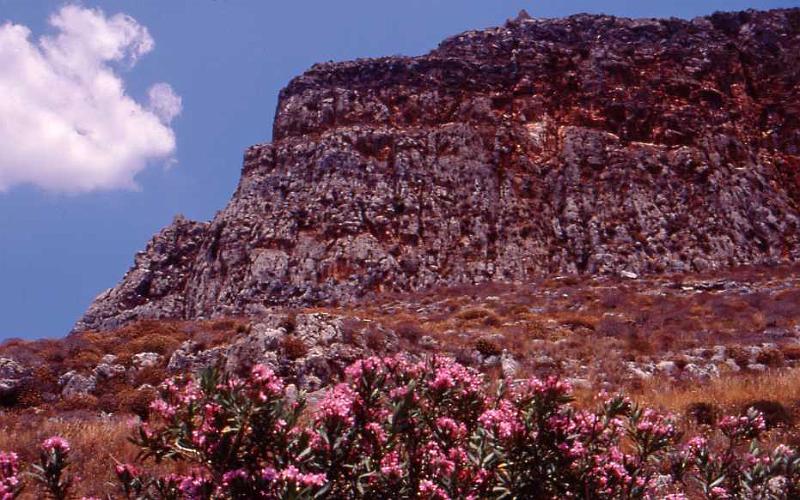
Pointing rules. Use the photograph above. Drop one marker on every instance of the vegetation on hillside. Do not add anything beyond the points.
(429, 429)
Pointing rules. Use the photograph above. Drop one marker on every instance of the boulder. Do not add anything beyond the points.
(508, 365)
(105, 371)
(701, 372)
(189, 358)
(318, 328)
(667, 367)
(145, 360)
(428, 342)
(74, 384)
(259, 347)
(579, 383)
(12, 377)
(109, 359)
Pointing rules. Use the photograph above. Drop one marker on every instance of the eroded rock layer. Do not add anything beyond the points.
(589, 144)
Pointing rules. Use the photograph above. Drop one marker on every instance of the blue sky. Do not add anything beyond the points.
(227, 60)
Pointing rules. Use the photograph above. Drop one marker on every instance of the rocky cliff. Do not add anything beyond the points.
(589, 144)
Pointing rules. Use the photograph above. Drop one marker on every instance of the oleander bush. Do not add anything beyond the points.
(432, 429)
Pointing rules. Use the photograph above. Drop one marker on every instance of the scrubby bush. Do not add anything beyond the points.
(740, 355)
(137, 401)
(76, 403)
(772, 357)
(610, 326)
(294, 347)
(576, 321)
(151, 375)
(703, 413)
(474, 313)
(487, 347)
(791, 351)
(409, 331)
(374, 339)
(155, 342)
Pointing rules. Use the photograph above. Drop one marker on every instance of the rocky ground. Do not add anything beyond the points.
(601, 333)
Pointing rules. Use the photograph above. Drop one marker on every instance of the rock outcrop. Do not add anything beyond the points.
(12, 378)
(589, 144)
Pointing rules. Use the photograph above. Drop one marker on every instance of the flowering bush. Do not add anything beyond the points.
(49, 472)
(434, 430)
(10, 484)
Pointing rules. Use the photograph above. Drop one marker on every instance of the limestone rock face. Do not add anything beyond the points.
(589, 144)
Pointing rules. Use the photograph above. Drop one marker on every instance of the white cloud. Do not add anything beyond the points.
(66, 123)
(164, 102)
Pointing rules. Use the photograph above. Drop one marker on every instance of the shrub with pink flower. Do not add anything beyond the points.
(431, 429)
(10, 483)
(50, 471)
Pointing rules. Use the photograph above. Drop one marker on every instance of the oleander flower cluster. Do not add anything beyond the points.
(431, 429)
(48, 475)
(435, 429)
(10, 482)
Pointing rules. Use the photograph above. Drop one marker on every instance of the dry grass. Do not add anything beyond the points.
(96, 445)
(729, 392)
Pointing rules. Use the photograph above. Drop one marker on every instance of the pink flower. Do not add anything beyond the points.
(9, 464)
(336, 406)
(551, 387)
(164, 409)
(191, 393)
(269, 384)
(429, 490)
(56, 443)
(194, 486)
(575, 450)
(449, 374)
(361, 367)
(232, 476)
(745, 427)
(439, 462)
(503, 420)
(390, 465)
(126, 472)
(292, 475)
(268, 474)
(377, 432)
(719, 492)
(452, 429)
(9, 475)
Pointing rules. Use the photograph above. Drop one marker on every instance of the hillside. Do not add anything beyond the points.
(586, 145)
(553, 259)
